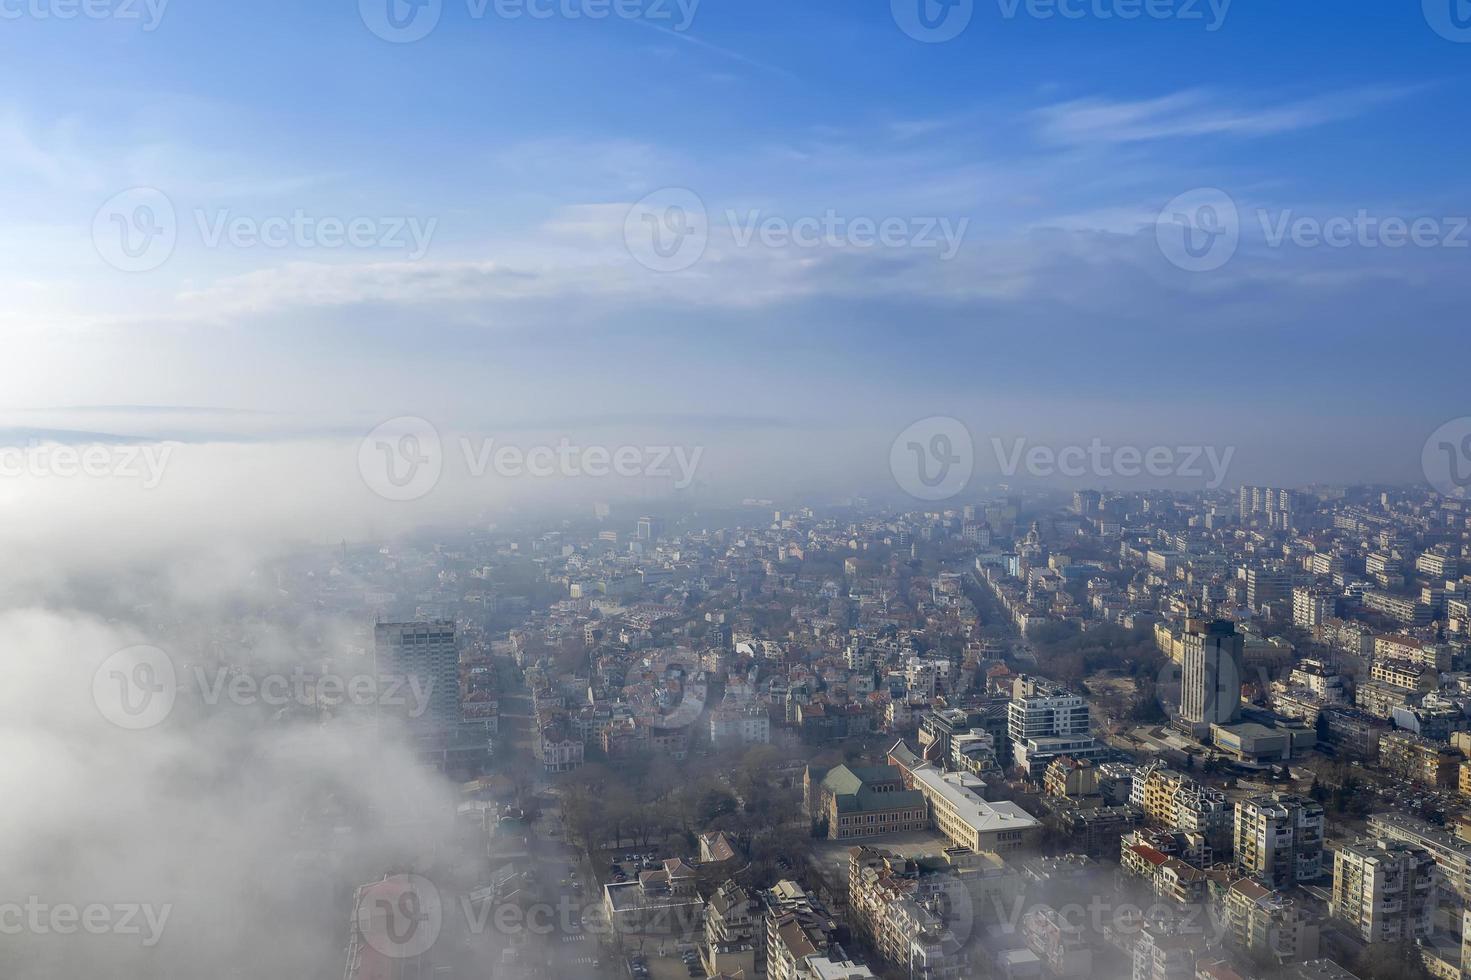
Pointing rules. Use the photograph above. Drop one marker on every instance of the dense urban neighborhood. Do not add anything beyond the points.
(1155, 735)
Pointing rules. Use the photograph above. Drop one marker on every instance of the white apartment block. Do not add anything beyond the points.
(1384, 890)
(1279, 839)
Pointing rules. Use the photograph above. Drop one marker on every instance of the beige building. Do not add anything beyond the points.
(1406, 676)
(863, 801)
(959, 812)
(1070, 777)
(1420, 759)
(1176, 802)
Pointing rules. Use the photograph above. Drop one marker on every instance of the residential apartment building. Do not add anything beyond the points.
(1384, 890)
(740, 725)
(1059, 943)
(1268, 927)
(1452, 854)
(1405, 675)
(798, 930)
(1312, 606)
(1161, 953)
(732, 931)
(1424, 653)
(1045, 721)
(1279, 839)
(557, 748)
(1419, 759)
(902, 911)
(1176, 802)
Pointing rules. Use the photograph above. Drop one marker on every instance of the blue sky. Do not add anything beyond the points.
(521, 144)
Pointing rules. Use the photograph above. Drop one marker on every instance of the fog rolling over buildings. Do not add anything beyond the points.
(708, 489)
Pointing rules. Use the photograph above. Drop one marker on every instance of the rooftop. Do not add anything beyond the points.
(980, 815)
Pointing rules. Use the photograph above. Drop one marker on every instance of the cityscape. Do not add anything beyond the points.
(735, 490)
(1147, 734)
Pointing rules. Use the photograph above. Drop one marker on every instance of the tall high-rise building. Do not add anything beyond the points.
(1210, 675)
(1384, 890)
(427, 652)
(1271, 501)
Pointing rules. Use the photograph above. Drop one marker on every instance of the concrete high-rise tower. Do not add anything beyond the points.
(426, 651)
(1210, 682)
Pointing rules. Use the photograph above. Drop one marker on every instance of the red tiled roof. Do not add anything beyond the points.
(1149, 854)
